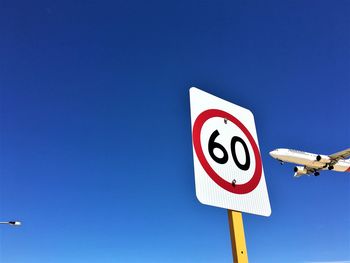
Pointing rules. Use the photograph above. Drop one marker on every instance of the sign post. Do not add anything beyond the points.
(239, 249)
(227, 163)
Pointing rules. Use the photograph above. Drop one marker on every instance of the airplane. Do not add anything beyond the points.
(313, 163)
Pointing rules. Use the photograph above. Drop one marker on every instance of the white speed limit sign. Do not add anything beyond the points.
(227, 161)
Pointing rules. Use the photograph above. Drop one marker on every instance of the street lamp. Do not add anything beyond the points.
(12, 223)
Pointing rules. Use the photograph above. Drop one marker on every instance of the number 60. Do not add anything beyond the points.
(212, 145)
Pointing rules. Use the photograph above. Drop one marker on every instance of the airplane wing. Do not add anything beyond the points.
(340, 155)
(306, 170)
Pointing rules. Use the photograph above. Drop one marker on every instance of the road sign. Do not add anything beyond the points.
(227, 163)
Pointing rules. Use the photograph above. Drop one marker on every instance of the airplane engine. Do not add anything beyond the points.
(299, 170)
(323, 158)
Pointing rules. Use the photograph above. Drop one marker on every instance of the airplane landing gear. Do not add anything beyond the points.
(316, 173)
(331, 167)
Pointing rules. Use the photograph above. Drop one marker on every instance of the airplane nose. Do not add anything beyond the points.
(273, 153)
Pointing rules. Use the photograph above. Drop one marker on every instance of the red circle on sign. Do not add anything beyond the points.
(237, 188)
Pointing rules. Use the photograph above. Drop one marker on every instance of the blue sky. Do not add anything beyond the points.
(95, 133)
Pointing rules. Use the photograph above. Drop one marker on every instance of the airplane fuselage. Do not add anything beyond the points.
(316, 161)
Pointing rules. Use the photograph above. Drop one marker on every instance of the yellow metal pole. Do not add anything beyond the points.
(239, 249)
